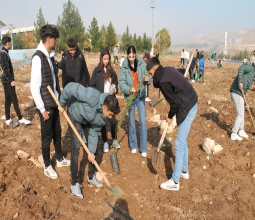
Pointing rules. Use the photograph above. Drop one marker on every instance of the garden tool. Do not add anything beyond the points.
(248, 108)
(115, 191)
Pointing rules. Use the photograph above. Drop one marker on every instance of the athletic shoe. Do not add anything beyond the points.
(116, 144)
(147, 99)
(185, 175)
(133, 151)
(50, 172)
(144, 154)
(25, 121)
(76, 190)
(63, 163)
(192, 80)
(106, 147)
(234, 137)
(242, 133)
(94, 181)
(170, 185)
(8, 122)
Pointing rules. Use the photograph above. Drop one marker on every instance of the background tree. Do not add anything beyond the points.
(94, 34)
(102, 37)
(139, 44)
(126, 40)
(146, 42)
(70, 26)
(17, 42)
(163, 41)
(111, 38)
(40, 22)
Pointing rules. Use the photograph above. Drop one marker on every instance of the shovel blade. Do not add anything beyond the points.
(116, 191)
(158, 158)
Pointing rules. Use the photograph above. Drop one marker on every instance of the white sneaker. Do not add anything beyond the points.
(185, 175)
(106, 147)
(8, 122)
(234, 137)
(76, 190)
(116, 144)
(193, 80)
(25, 121)
(50, 172)
(63, 163)
(242, 133)
(170, 185)
(133, 151)
(147, 99)
(144, 154)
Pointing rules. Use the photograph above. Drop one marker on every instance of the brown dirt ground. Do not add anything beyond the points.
(219, 188)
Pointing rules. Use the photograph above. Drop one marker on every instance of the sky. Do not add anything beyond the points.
(184, 19)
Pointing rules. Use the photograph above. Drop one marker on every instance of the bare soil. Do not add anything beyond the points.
(219, 188)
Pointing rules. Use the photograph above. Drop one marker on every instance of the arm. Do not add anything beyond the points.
(171, 97)
(93, 137)
(93, 79)
(36, 81)
(115, 81)
(124, 87)
(8, 74)
(85, 73)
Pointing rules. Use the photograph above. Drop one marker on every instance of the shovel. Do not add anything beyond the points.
(14, 123)
(248, 108)
(114, 191)
(158, 154)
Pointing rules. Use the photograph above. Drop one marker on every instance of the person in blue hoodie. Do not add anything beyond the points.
(86, 106)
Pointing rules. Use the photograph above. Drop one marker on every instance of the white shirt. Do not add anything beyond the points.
(121, 61)
(36, 77)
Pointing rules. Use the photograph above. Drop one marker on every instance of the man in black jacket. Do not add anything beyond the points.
(73, 65)
(9, 83)
(183, 103)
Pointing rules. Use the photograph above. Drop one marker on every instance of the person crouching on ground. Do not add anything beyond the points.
(183, 103)
(105, 79)
(86, 106)
(243, 81)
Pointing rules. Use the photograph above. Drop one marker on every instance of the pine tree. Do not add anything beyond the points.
(40, 22)
(70, 26)
(94, 34)
(102, 37)
(111, 38)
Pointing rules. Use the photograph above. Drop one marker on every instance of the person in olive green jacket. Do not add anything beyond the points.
(243, 82)
(133, 78)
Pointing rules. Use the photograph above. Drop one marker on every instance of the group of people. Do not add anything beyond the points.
(91, 102)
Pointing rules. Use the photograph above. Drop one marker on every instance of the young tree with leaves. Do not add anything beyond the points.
(70, 26)
(40, 22)
(163, 40)
(94, 34)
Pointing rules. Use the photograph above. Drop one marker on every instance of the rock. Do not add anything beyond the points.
(15, 216)
(162, 125)
(253, 175)
(22, 154)
(208, 145)
(217, 148)
(3, 117)
(209, 102)
(155, 118)
(36, 162)
(40, 160)
(213, 109)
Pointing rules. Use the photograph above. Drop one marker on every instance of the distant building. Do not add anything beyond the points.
(236, 40)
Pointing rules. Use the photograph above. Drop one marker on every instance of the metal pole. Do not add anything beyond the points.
(11, 34)
(152, 7)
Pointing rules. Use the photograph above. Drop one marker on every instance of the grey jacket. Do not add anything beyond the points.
(85, 105)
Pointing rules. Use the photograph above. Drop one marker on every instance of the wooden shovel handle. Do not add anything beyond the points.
(162, 138)
(248, 108)
(79, 137)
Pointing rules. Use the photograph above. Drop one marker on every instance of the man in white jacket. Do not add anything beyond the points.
(44, 73)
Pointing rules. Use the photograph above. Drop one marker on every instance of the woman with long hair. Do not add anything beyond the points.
(104, 79)
(133, 79)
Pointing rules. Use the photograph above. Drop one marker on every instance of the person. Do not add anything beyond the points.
(182, 98)
(245, 60)
(192, 69)
(157, 54)
(202, 68)
(219, 64)
(121, 61)
(146, 59)
(9, 83)
(242, 81)
(213, 55)
(182, 57)
(186, 58)
(73, 65)
(198, 54)
(252, 59)
(133, 80)
(105, 79)
(86, 106)
(44, 73)
(115, 54)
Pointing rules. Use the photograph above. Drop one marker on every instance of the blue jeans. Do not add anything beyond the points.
(140, 104)
(181, 146)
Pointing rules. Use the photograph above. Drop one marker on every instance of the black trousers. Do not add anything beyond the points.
(11, 97)
(51, 130)
(113, 124)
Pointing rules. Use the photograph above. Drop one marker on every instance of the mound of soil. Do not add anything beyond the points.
(219, 188)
